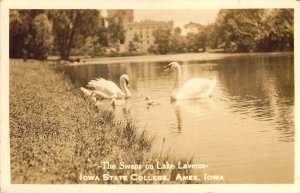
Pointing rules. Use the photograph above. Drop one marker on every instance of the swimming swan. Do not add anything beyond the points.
(195, 88)
(108, 89)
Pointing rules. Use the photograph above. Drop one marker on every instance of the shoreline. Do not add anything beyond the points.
(168, 58)
(56, 133)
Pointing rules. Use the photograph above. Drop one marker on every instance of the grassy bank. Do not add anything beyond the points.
(56, 134)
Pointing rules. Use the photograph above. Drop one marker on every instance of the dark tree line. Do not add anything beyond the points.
(256, 29)
(69, 25)
(235, 30)
(40, 33)
(29, 32)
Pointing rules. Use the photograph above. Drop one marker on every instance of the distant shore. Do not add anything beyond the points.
(167, 58)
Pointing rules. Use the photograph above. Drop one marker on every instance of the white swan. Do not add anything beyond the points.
(195, 88)
(108, 89)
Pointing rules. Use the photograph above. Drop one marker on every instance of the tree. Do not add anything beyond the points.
(177, 42)
(68, 24)
(284, 28)
(161, 38)
(134, 45)
(42, 39)
(116, 24)
(280, 31)
(177, 31)
(18, 30)
(103, 36)
(244, 27)
(30, 33)
(256, 29)
(213, 39)
(198, 38)
(90, 46)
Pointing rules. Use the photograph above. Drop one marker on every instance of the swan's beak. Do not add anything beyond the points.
(168, 67)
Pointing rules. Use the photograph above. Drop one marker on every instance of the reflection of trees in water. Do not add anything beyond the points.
(80, 75)
(137, 72)
(262, 87)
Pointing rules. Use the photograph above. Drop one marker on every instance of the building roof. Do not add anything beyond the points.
(151, 22)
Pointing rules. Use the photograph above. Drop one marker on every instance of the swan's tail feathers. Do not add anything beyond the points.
(97, 84)
(86, 91)
(92, 84)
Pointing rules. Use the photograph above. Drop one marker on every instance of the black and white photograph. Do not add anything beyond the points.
(105, 96)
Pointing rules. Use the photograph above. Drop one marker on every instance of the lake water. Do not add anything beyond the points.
(245, 132)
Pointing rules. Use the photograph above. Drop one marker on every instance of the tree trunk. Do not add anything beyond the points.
(73, 30)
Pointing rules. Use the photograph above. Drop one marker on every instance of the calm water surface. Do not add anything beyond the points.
(245, 132)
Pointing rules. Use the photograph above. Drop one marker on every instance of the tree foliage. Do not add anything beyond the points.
(116, 29)
(68, 24)
(161, 38)
(30, 33)
(134, 45)
(18, 29)
(255, 29)
(177, 42)
(198, 38)
(37, 33)
(42, 38)
(280, 34)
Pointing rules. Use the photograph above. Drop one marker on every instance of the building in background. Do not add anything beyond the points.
(141, 33)
(125, 34)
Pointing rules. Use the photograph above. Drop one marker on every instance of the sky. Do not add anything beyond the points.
(180, 17)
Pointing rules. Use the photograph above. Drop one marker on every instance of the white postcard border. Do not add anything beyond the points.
(7, 187)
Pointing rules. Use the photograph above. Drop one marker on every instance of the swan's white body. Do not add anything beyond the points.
(195, 88)
(108, 89)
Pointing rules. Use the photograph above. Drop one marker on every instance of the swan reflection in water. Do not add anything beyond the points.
(192, 109)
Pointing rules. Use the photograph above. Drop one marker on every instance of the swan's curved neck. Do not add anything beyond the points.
(178, 78)
(124, 88)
